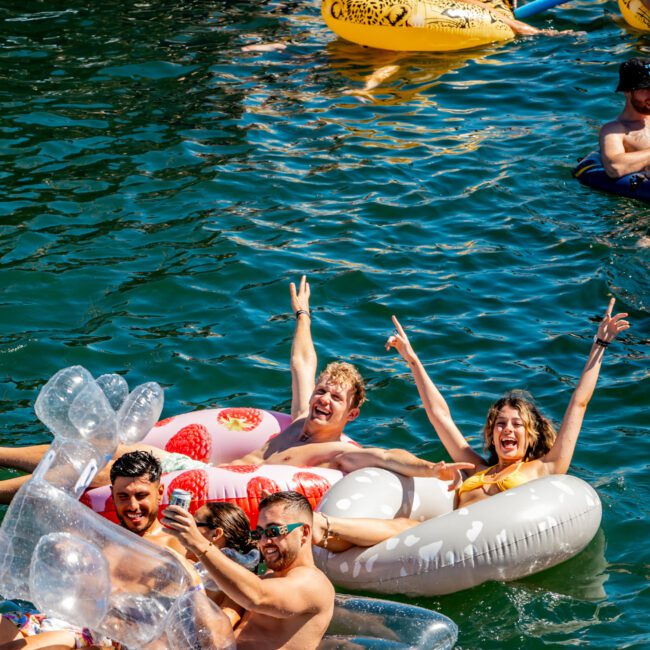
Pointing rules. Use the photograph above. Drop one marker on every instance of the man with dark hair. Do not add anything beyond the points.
(137, 491)
(625, 142)
(291, 605)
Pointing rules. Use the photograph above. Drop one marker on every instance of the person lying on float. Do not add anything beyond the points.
(521, 443)
(290, 606)
(321, 408)
(625, 142)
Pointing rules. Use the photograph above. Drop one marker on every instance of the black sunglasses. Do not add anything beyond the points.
(274, 530)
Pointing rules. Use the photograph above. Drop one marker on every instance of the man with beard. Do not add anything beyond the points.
(137, 492)
(625, 142)
(291, 605)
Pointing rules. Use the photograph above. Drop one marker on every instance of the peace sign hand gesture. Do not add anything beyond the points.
(300, 297)
(611, 326)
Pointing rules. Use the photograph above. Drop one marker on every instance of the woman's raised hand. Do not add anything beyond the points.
(400, 342)
(611, 326)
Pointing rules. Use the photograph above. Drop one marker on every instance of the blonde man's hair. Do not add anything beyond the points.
(341, 372)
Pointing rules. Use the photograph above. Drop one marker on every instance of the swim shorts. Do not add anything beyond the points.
(172, 462)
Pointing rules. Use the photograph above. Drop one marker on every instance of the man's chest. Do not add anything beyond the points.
(637, 139)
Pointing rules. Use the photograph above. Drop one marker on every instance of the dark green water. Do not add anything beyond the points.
(160, 188)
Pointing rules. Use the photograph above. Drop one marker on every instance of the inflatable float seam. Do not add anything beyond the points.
(467, 559)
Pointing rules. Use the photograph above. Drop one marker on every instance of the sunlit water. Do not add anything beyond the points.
(160, 188)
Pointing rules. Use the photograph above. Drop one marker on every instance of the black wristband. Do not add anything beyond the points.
(600, 342)
(303, 311)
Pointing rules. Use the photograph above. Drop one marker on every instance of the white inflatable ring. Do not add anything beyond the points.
(216, 436)
(508, 536)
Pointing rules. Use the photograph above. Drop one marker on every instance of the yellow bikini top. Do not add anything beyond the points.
(511, 480)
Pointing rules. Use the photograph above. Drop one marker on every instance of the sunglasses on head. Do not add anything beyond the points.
(274, 530)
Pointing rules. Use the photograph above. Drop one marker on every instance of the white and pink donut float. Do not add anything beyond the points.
(218, 436)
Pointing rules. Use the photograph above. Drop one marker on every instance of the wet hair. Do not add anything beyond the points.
(341, 372)
(292, 501)
(234, 523)
(136, 464)
(540, 432)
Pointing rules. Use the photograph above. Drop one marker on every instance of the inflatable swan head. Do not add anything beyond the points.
(74, 564)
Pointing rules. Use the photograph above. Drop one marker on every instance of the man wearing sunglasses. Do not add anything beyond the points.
(291, 605)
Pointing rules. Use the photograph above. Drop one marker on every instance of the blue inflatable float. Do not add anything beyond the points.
(590, 172)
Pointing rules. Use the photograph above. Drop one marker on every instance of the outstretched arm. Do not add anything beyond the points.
(402, 462)
(279, 598)
(557, 460)
(616, 161)
(434, 403)
(303, 353)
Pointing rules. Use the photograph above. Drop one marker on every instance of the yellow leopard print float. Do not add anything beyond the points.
(418, 25)
(636, 14)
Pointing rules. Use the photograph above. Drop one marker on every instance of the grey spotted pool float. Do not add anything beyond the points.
(510, 535)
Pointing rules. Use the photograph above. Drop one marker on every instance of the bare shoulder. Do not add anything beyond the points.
(315, 582)
(537, 468)
(615, 127)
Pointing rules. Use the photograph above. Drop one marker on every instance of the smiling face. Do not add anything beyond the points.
(503, 436)
(136, 502)
(281, 552)
(509, 435)
(330, 406)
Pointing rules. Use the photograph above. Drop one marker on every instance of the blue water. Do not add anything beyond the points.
(160, 188)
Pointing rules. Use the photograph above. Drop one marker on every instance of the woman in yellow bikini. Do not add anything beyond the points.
(521, 443)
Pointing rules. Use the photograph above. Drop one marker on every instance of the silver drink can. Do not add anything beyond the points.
(181, 498)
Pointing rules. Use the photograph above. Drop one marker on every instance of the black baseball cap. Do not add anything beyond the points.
(633, 75)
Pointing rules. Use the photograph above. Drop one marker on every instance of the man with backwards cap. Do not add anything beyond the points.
(625, 142)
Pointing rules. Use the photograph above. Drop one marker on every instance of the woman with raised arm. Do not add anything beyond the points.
(520, 442)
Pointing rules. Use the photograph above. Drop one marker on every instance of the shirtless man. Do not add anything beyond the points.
(320, 410)
(137, 491)
(289, 607)
(625, 142)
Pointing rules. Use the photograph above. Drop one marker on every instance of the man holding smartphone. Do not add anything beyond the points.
(290, 606)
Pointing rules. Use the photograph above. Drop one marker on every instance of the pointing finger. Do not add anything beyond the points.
(398, 327)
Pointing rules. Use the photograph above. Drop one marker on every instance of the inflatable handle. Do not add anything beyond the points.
(536, 7)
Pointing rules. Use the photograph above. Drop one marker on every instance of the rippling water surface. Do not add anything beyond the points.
(160, 188)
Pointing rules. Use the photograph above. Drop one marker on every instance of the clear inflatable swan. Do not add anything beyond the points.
(75, 565)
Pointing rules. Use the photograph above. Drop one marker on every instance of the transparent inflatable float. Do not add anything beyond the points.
(381, 624)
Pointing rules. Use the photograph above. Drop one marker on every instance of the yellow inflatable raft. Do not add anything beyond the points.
(636, 14)
(418, 25)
